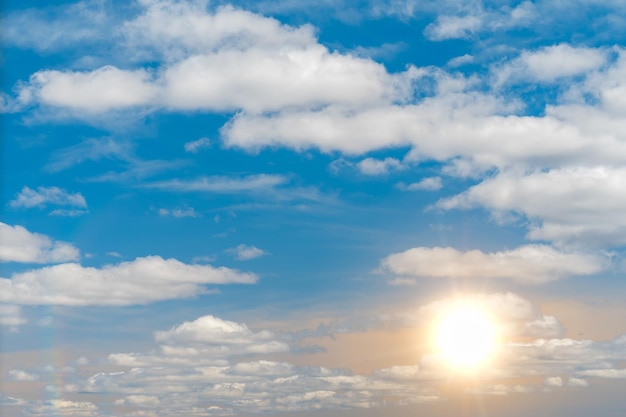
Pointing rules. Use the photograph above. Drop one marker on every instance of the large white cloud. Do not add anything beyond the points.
(578, 206)
(531, 264)
(141, 281)
(17, 244)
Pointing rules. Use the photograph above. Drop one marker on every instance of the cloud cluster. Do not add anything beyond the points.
(142, 281)
(215, 367)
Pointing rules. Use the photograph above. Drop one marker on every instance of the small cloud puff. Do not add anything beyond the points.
(244, 252)
(197, 145)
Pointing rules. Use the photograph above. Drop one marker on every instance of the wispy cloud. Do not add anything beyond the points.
(197, 145)
(221, 184)
(44, 196)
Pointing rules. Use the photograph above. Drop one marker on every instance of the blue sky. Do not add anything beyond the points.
(215, 208)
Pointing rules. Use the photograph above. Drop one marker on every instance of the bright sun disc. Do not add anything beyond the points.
(466, 336)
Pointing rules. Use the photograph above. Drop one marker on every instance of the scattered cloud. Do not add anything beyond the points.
(17, 244)
(425, 184)
(142, 281)
(222, 184)
(530, 264)
(178, 212)
(244, 252)
(43, 196)
(197, 145)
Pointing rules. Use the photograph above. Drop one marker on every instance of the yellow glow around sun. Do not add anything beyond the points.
(466, 336)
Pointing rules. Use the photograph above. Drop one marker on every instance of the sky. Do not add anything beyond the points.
(266, 207)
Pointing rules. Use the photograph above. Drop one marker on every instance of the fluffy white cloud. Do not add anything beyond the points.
(373, 166)
(550, 63)
(19, 245)
(531, 264)
(245, 252)
(44, 196)
(106, 88)
(573, 206)
(228, 59)
(141, 281)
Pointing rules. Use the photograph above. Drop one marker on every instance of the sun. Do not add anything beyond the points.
(466, 336)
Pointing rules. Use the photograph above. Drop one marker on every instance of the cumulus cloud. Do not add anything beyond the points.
(244, 252)
(586, 205)
(91, 92)
(227, 59)
(17, 244)
(142, 281)
(43, 196)
(530, 264)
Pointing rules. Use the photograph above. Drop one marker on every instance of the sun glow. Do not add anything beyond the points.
(466, 336)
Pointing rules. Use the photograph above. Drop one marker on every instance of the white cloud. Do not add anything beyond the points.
(579, 206)
(230, 337)
(531, 264)
(222, 184)
(141, 281)
(43, 196)
(19, 245)
(426, 184)
(178, 212)
(90, 92)
(244, 252)
(551, 63)
(196, 145)
(11, 316)
(453, 27)
(373, 166)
